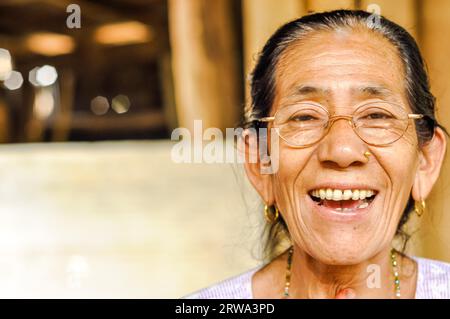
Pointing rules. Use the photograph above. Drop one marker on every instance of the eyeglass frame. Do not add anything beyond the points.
(332, 119)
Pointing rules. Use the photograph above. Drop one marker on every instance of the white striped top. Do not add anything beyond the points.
(433, 282)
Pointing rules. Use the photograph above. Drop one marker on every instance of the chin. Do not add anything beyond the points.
(341, 251)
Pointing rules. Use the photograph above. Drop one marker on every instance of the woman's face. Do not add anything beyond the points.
(340, 70)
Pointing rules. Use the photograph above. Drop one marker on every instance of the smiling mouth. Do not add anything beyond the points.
(349, 200)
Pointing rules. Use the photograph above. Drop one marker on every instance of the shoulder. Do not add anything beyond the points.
(433, 280)
(237, 287)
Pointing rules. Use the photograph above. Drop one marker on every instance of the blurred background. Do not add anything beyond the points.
(91, 204)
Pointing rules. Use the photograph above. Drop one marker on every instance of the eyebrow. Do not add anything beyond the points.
(375, 91)
(369, 90)
(307, 90)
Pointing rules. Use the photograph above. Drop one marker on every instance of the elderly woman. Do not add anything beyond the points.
(359, 151)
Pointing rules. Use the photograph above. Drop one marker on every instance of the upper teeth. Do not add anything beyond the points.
(338, 194)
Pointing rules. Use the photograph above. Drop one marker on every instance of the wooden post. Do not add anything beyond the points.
(261, 18)
(205, 62)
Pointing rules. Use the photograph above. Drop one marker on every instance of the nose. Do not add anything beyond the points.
(341, 147)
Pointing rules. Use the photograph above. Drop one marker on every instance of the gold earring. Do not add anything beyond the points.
(419, 210)
(367, 154)
(271, 214)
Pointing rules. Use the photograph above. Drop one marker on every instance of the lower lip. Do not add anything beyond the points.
(340, 216)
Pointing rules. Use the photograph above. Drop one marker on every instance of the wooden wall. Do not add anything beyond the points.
(434, 25)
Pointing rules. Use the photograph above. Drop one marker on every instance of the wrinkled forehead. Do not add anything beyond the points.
(341, 64)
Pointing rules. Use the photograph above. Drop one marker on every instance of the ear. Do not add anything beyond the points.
(430, 161)
(260, 181)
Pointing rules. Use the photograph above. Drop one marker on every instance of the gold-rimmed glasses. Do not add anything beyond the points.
(376, 123)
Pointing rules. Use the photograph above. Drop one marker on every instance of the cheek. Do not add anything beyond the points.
(399, 163)
(292, 163)
(409, 140)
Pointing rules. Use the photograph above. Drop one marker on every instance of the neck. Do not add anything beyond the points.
(371, 278)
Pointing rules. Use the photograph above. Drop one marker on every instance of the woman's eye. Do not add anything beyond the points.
(378, 116)
(302, 118)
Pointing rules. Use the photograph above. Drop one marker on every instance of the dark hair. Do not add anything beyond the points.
(417, 86)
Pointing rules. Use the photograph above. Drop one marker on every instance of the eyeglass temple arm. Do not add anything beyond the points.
(267, 119)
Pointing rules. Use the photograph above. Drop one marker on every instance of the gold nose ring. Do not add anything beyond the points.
(367, 154)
